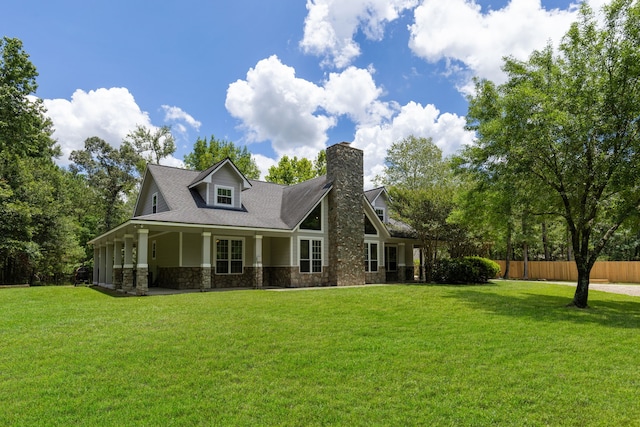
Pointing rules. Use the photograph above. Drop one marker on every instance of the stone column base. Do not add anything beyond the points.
(142, 280)
(127, 279)
(258, 280)
(117, 278)
(205, 278)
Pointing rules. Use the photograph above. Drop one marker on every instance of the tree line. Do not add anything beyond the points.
(552, 173)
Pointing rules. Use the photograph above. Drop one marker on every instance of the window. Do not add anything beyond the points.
(391, 258)
(229, 256)
(153, 250)
(310, 256)
(154, 203)
(313, 221)
(369, 227)
(224, 196)
(370, 257)
(380, 213)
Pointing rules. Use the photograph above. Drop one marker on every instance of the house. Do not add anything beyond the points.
(218, 229)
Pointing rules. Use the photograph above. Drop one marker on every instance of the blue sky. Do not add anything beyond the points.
(283, 77)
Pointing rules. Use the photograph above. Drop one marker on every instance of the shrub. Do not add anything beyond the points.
(465, 270)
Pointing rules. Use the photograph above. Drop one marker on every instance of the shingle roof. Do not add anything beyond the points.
(265, 205)
(372, 195)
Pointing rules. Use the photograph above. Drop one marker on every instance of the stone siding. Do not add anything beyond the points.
(117, 277)
(290, 277)
(180, 277)
(346, 215)
(376, 277)
(245, 280)
(142, 280)
(127, 279)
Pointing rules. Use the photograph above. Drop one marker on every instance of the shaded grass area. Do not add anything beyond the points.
(503, 354)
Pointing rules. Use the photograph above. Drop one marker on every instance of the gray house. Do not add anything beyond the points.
(217, 229)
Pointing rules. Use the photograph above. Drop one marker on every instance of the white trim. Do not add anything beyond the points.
(323, 223)
(367, 245)
(311, 239)
(192, 226)
(154, 203)
(215, 195)
(215, 253)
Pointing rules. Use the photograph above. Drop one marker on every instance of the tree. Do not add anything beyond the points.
(153, 146)
(112, 172)
(207, 153)
(25, 131)
(421, 188)
(568, 123)
(29, 203)
(291, 170)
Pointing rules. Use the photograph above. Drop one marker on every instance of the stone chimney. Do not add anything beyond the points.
(346, 215)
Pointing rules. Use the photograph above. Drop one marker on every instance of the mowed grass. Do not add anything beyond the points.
(502, 354)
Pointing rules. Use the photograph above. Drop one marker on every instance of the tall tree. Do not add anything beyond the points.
(291, 170)
(152, 145)
(208, 152)
(26, 167)
(569, 122)
(421, 186)
(112, 172)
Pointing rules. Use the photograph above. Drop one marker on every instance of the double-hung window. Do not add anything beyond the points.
(224, 196)
(229, 256)
(380, 213)
(154, 203)
(370, 257)
(310, 256)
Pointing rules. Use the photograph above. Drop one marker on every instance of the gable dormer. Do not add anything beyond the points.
(379, 199)
(221, 185)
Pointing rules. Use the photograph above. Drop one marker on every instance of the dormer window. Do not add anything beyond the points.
(154, 203)
(224, 196)
(380, 213)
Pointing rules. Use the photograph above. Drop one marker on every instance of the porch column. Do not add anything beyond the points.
(96, 264)
(205, 266)
(142, 268)
(117, 264)
(109, 264)
(402, 266)
(102, 269)
(257, 265)
(127, 267)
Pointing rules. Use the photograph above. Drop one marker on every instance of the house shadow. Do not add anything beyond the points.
(551, 308)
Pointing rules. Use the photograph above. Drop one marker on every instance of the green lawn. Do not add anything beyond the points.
(501, 354)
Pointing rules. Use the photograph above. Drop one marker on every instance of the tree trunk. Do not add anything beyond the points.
(581, 295)
(509, 255)
(525, 258)
(545, 242)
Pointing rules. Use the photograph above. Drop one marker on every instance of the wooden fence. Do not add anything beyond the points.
(602, 271)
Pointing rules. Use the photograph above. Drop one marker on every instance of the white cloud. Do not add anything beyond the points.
(176, 114)
(106, 113)
(295, 114)
(459, 32)
(354, 93)
(330, 26)
(446, 130)
(273, 104)
(264, 163)
(109, 114)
